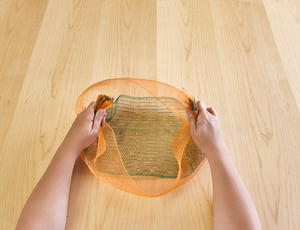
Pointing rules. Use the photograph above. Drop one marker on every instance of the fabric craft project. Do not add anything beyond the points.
(145, 147)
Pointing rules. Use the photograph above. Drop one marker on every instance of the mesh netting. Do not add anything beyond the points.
(145, 147)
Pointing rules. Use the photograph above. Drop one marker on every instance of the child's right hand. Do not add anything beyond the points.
(85, 128)
(205, 130)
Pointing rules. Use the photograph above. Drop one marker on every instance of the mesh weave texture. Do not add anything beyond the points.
(145, 147)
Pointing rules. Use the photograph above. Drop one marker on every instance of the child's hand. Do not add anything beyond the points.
(205, 129)
(85, 128)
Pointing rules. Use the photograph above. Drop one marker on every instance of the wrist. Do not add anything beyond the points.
(219, 152)
(72, 143)
(67, 149)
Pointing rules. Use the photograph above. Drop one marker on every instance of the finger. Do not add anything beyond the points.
(91, 106)
(89, 113)
(192, 119)
(202, 113)
(201, 106)
(82, 111)
(103, 122)
(97, 120)
(212, 111)
(103, 119)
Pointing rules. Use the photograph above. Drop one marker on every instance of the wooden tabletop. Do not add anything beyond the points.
(240, 56)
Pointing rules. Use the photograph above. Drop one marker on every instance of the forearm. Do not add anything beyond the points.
(46, 207)
(233, 207)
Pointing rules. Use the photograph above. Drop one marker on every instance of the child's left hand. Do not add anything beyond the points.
(85, 128)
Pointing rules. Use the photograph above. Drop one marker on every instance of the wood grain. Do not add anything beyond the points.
(240, 56)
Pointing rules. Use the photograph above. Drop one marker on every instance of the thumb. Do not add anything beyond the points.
(97, 120)
(192, 119)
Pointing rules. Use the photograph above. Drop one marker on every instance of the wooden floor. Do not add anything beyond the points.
(240, 56)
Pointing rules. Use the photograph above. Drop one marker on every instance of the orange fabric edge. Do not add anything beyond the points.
(177, 183)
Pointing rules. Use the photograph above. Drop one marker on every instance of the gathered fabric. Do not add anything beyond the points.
(145, 147)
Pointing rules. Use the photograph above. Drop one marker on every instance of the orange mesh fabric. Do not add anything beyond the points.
(145, 147)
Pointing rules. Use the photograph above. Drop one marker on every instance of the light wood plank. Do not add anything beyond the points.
(125, 47)
(284, 18)
(19, 25)
(241, 56)
(264, 120)
(60, 63)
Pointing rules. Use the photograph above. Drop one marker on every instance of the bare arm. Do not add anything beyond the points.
(233, 207)
(46, 208)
